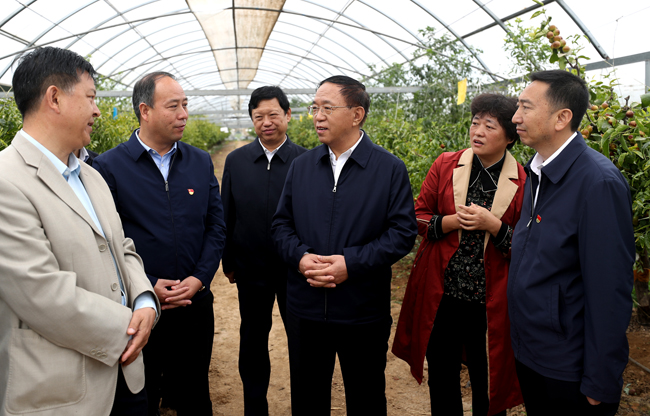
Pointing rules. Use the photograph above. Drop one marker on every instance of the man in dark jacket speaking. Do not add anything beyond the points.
(345, 216)
(572, 255)
(168, 199)
(253, 178)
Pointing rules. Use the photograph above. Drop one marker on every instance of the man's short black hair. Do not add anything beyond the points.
(144, 89)
(500, 107)
(353, 92)
(43, 67)
(565, 90)
(267, 93)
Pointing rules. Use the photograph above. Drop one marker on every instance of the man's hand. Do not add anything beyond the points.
(139, 329)
(475, 217)
(190, 285)
(231, 276)
(592, 401)
(165, 291)
(335, 272)
(310, 262)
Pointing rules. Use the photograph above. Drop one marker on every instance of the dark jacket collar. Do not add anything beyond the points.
(361, 154)
(283, 152)
(561, 164)
(136, 150)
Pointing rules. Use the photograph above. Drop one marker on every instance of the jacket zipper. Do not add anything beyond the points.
(171, 211)
(329, 235)
(523, 249)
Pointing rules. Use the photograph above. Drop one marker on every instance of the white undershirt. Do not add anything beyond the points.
(337, 165)
(270, 153)
(538, 163)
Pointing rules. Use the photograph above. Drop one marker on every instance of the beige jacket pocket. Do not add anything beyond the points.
(42, 375)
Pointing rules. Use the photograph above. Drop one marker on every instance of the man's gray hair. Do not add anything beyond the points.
(144, 89)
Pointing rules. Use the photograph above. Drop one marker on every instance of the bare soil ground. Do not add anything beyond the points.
(405, 396)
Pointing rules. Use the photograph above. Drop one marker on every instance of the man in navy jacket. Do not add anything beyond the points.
(345, 216)
(253, 178)
(168, 199)
(572, 257)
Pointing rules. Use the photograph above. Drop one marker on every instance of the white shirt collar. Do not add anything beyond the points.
(269, 153)
(538, 163)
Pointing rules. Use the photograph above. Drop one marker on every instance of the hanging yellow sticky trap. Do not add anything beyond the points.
(462, 91)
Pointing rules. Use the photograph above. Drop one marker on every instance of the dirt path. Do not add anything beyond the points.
(405, 396)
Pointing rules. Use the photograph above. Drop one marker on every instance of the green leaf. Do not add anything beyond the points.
(645, 100)
(537, 13)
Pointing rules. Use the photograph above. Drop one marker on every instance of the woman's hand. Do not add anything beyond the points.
(475, 217)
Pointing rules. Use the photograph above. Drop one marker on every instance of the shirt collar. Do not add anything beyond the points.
(149, 149)
(538, 163)
(65, 170)
(274, 151)
(83, 154)
(348, 152)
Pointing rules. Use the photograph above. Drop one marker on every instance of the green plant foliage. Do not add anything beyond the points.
(203, 134)
(10, 121)
(301, 131)
(108, 131)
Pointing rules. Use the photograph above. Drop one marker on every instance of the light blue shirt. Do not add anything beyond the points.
(71, 175)
(161, 161)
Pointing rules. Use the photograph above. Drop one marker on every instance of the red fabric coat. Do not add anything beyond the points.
(444, 188)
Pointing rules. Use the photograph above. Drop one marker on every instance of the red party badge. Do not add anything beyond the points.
(191, 192)
(538, 219)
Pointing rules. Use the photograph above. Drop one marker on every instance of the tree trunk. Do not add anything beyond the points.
(642, 292)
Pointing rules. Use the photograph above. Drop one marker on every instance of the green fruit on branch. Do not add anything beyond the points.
(562, 42)
(594, 108)
(550, 35)
(555, 45)
(604, 105)
(556, 32)
(565, 49)
(632, 123)
(552, 27)
(630, 114)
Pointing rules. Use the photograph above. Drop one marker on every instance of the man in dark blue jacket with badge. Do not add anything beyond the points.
(572, 256)
(168, 199)
(253, 178)
(345, 216)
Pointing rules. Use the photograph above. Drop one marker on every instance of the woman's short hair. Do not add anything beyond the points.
(502, 108)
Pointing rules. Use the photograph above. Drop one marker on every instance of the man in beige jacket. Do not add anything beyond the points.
(76, 307)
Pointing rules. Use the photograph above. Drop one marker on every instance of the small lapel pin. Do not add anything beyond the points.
(191, 192)
(538, 219)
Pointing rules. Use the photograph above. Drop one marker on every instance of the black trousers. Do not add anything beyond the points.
(361, 349)
(127, 403)
(177, 359)
(256, 299)
(458, 325)
(547, 396)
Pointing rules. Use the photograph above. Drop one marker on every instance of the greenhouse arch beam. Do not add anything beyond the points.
(98, 25)
(494, 17)
(81, 34)
(509, 17)
(17, 12)
(460, 39)
(248, 47)
(584, 29)
(357, 26)
(338, 44)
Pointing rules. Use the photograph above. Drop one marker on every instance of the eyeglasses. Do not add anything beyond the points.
(327, 109)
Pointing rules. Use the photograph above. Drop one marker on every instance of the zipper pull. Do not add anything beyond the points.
(334, 190)
(166, 186)
(529, 221)
(268, 167)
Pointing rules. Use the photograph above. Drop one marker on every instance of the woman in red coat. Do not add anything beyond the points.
(468, 206)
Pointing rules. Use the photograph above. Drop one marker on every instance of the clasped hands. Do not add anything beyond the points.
(175, 293)
(323, 271)
(475, 217)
